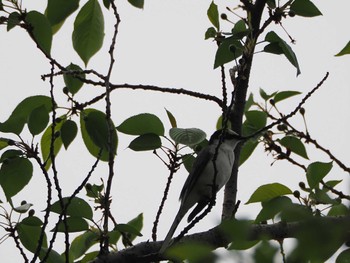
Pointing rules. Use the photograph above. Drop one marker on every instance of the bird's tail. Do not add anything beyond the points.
(172, 229)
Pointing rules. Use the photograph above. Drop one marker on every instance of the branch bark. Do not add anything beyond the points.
(148, 251)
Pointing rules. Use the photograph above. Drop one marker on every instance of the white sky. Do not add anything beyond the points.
(164, 45)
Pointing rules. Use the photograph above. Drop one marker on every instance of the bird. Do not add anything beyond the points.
(198, 187)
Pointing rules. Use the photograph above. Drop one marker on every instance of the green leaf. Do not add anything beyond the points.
(213, 15)
(19, 116)
(137, 3)
(57, 10)
(72, 83)
(126, 228)
(107, 3)
(239, 30)
(146, 142)
(82, 243)
(142, 124)
(77, 208)
(88, 31)
(344, 256)
(94, 129)
(171, 118)
(249, 102)
(295, 145)
(345, 50)
(305, 8)
(338, 210)
(295, 212)
(74, 224)
(271, 3)
(285, 95)
(265, 252)
(247, 150)
(268, 191)
(188, 160)
(237, 231)
(10, 154)
(29, 236)
(229, 49)
(4, 142)
(272, 207)
(53, 257)
(193, 252)
(272, 37)
(69, 131)
(210, 33)
(38, 120)
(89, 257)
(266, 96)
(137, 224)
(32, 221)
(255, 120)
(316, 172)
(189, 137)
(41, 30)
(13, 20)
(15, 174)
(94, 190)
(45, 142)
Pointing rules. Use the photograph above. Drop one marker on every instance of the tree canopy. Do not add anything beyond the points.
(63, 147)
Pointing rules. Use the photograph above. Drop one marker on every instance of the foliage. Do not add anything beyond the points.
(259, 120)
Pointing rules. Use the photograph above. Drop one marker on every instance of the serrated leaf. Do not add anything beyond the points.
(94, 130)
(45, 142)
(57, 10)
(74, 224)
(344, 51)
(142, 124)
(285, 95)
(295, 145)
(229, 49)
(305, 8)
(137, 3)
(82, 243)
(146, 142)
(213, 15)
(88, 31)
(77, 208)
(189, 137)
(316, 172)
(69, 131)
(38, 120)
(15, 174)
(41, 30)
(19, 116)
(171, 118)
(273, 38)
(72, 83)
(268, 191)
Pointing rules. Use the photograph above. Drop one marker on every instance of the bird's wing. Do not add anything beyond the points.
(198, 166)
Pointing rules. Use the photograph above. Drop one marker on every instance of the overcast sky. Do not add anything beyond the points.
(164, 45)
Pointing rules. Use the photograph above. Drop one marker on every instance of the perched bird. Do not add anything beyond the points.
(199, 183)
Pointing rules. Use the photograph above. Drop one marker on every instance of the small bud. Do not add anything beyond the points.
(58, 120)
(23, 202)
(347, 243)
(31, 212)
(302, 111)
(302, 185)
(296, 194)
(291, 13)
(57, 134)
(241, 61)
(223, 16)
(281, 127)
(65, 90)
(88, 186)
(272, 102)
